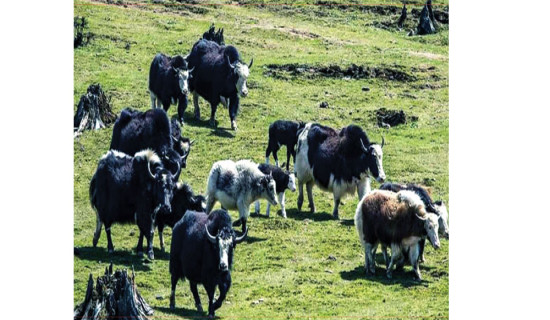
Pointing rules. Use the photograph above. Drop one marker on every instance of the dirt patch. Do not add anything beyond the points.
(299, 33)
(391, 118)
(285, 71)
(432, 56)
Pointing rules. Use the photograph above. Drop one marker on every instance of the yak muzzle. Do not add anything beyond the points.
(223, 266)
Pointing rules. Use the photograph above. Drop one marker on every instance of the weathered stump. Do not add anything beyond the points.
(403, 17)
(213, 35)
(425, 23)
(94, 111)
(115, 297)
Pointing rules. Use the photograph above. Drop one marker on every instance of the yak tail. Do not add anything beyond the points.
(92, 192)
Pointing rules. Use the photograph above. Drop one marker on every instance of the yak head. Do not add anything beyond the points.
(374, 157)
(266, 185)
(162, 188)
(431, 225)
(225, 240)
(183, 76)
(172, 161)
(443, 218)
(291, 181)
(241, 71)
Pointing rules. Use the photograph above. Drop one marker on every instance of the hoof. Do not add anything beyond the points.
(112, 250)
(199, 308)
(162, 249)
(234, 125)
(140, 253)
(172, 305)
(94, 242)
(181, 122)
(151, 255)
(388, 275)
(335, 216)
(211, 316)
(212, 123)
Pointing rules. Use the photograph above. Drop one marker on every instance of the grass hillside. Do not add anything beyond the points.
(285, 261)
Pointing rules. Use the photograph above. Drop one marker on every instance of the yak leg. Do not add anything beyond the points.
(300, 195)
(213, 108)
(384, 249)
(198, 305)
(282, 202)
(150, 252)
(110, 247)
(243, 213)
(413, 256)
(97, 233)
(257, 207)
(293, 158)
(224, 286)
(140, 244)
(233, 108)
(210, 290)
(182, 105)
(153, 100)
(422, 243)
(288, 154)
(395, 254)
(369, 260)
(161, 237)
(361, 189)
(336, 204)
(309, 189)
(173, 293)
(210, 201)
(196, 105)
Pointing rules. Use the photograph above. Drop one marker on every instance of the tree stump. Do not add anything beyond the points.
(425, 23)
(94, 111)
(115, 297)
(402, 17)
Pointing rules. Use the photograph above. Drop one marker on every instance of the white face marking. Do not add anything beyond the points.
(443, 220)
(185, 147)
(224, 245)
(243, 72)
(271, 193)
(164, 178)
(292, 182)
(432, 227)
(378, 154)
(183, 76)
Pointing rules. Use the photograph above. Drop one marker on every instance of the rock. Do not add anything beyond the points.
(328, 271)
(323, 105)
(365, 89)
(159, 297)
(331, 257)
(261, 300)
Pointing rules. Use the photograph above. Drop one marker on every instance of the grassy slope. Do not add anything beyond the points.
(285, 261)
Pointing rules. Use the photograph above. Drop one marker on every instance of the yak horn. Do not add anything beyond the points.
(178, 170)
(251, 61)
(192, 142)
(383, 141)
(211, 238)
(229, 63)
(242, 237)
(191, 70)
(149, 169)
(363, 147)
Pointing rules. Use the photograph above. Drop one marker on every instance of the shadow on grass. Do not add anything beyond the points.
(252, 239)
(303, 215)
(347, 222)
(183, 312)
(402, 277)
(120, 257)
(217, 131)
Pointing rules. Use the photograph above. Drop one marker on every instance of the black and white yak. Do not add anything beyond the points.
(125, 189)
(336, 161)
(168, 82)
(437, 207)
(202, 252)
(135, 131)
(283, 180)
(184, 199)
(398, 220)
(283, 132)
(219, 76)
(236, 185)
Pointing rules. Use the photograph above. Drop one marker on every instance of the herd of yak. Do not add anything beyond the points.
(137, 180)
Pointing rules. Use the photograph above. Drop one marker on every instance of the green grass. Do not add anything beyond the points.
(285, 261)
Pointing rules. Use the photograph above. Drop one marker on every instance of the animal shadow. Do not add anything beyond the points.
(403, 277)
(222, 132)
(183, 312)
(251, 239)
(121, 257)
(303, 215)
(347, 222)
